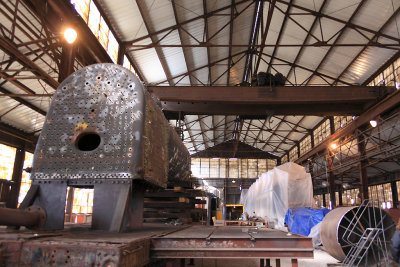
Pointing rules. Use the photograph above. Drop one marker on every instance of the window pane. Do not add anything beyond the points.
(214, 168)
(205, 168)
(195, 167)
(94, 19)
(113, 47)
(25, 180)
(7, 157)
(243, 168)
(252, 165)
(233, 168)
(222, 168)
(103, 34)
(82, 7)
(271, 163)
(262, 166)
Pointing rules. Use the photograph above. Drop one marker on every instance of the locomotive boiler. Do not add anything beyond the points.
(104, 131)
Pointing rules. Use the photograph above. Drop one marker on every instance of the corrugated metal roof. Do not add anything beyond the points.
(197, 65)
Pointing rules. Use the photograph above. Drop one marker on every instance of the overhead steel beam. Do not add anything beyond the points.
(9, 48)
(14, 137)
(263, 101)
(387, 104)
(138, 47)
(269, 95)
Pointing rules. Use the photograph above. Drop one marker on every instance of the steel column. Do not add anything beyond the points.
(363, 167)
(331, 179)
(16, 178)
(66, 66)
(395, 195)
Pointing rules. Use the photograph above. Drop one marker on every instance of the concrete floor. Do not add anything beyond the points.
(321, 259)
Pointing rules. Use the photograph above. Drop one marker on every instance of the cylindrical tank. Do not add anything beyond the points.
(336, 240)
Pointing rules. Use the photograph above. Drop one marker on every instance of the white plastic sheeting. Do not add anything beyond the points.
(284, 187)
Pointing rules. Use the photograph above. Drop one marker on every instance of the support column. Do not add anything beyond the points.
(16, 178)
(363, 167)
(340, 196)
(66, 66)
(331, 179)
(323, 200)
(395, 195)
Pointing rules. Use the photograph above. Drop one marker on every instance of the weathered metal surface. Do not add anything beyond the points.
(337, 221)
(329, 231)
(78, 247)
(31, 217)
(210, 242)
(103, 130)
(75, 253)
(102, 124)
(94, 127)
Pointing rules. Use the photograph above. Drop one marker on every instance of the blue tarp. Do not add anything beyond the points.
(301, 220)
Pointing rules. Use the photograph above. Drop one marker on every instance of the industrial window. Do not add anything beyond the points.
(284, 159)
(271, 163)
(262, 166)
(350, 197)
(383, 193)
(243, 168)
(94, 19)
(83, 200)
(318, 200)
(195, 167)
(127, 64)
(214, 168)
(233, 168)
(103, 33)
(322, 132)
(230, 168)
(113, 47)
(222, 168)
(388, 76)
(342, 121)
(305, 145)
(328, 201)
(82, 7)
(252, 168)
(204, 167)
(7, 157)
(293, 154)
(88, 10)
(25, 179)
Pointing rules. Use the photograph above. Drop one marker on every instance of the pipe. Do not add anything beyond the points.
(32, 217)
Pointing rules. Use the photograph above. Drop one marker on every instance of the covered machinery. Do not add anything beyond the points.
(103, 130)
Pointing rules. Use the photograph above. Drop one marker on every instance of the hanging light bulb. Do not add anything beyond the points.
(70, 35)
(373, 123)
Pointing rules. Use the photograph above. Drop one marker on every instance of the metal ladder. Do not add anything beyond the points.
(359, 251)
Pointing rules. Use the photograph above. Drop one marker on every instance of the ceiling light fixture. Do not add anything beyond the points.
(70, 35)
(373, 123)
(333, 146)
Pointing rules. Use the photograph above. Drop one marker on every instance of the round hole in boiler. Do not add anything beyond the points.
(87, 141)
